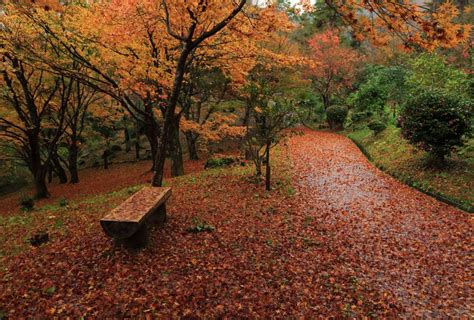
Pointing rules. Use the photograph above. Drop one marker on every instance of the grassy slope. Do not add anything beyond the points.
(395, 156)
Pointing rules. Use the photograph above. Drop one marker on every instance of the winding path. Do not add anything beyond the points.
(404, 243)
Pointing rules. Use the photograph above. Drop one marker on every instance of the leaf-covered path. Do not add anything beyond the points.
(408, 246)
(341, 240)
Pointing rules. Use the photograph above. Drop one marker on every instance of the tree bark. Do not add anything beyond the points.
(268, 169)
(137, 149)
(50, 174)
(191, 142)
(40, 183)
(105, 157)
(72, 161)
(176, 151)
(58, 168)
(38, 169)
(128, 145)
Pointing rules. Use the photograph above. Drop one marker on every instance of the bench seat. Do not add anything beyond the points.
(128, 222)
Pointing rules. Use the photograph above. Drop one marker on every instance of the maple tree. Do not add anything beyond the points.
(26, 118)
(151, 58)
(415, 23)
(333, 65)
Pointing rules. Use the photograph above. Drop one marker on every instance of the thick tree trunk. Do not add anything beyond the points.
(176, 152)
(38, 169)
(268, 169)
(72, 162)
(40, 183)
(191, 142)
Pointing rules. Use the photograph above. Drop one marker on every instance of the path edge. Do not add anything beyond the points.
(411, 183)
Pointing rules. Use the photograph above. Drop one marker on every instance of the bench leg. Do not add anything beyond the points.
(138, 240)
(159, 216)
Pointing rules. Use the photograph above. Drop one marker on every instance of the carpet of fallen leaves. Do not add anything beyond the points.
(335, 238)
(95, 181)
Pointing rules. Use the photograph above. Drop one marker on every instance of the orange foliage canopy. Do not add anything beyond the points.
(332, 65)
(415, 23)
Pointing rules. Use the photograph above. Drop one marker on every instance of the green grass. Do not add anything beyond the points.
(391, 153)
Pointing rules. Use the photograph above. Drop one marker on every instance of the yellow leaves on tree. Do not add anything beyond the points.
(416, 24)
(216, 128)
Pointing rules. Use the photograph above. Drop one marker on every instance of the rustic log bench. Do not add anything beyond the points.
(128, 223)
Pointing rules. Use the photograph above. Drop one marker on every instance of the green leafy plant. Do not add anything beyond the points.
(219, 162)
(336, 115)
(377, 126)
(436, 122)
(27, 202)
(63, 202)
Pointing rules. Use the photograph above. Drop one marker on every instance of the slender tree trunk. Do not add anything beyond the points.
(137, 149)
(326, 101)
(58, 168)
(268, 169)
(50, 174)
(169, 118)
(176, 151)
(128, 145)
(72, 161)
(191, 142)
(258, 165)
(105, 157)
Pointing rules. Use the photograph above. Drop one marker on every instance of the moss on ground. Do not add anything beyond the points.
(393, 154)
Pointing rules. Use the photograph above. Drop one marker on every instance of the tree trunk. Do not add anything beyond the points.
(176, 151)
(50, 174)
(137, 149)
(40, 183)
(38, 169)
(72, 162)
(326, 101)
(128, 145)
(105, 156)
(152, 138)
(268, 169)
(192, 149)
(258, 165)
(58, 168)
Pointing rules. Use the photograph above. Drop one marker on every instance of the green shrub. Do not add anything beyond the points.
(336, 115)
(436, 122)
(361, 116)
(63, 202)
(27, 203)
(377, 126)
(219, 162)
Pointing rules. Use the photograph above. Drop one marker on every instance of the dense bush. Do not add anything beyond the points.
(429, 71)
(377, 126)
(378, 88)
(361, 116)
(436, 122)
(336, 115)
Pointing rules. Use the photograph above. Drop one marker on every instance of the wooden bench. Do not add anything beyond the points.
(128, 223)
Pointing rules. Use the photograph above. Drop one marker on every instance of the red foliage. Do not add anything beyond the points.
(97, 181)
(351, 242)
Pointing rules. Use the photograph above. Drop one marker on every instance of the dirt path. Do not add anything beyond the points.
(406, 245)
